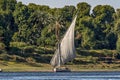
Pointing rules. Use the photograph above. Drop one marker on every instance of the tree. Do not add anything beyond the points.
(21, 15)
(103, 22)
(84, 26)
(86, 30)
(7, 24)
(83, 9)
(35, 7)
(38, 21)
(117, 28)
(7, 5)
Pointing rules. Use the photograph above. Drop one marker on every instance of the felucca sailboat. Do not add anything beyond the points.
(65, 51)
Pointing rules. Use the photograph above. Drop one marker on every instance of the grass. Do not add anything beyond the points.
(18, 67)
(95, 67)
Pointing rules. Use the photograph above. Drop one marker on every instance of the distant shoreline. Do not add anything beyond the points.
(44, 67)
(82, 70)
(71, 71)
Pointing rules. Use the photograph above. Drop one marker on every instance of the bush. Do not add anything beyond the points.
(26, 51)
(93, 53)
(19, 59)
(46, 50)
(29, 49)
(117, 55)
(3, 51)
(14, 50)
(18, 44)
(5, 57)
(30, 60)
(2, 46)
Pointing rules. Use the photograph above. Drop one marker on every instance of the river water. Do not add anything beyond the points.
(115, 75)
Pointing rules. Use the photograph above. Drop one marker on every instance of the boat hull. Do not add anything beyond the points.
(0, 70)
(61, 70)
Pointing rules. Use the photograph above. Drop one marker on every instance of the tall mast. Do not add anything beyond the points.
(58, 40)
(57, 31)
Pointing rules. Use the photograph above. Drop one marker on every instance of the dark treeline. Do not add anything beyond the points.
(35, 25)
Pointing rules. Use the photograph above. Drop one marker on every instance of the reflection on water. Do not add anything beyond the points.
(60, 76)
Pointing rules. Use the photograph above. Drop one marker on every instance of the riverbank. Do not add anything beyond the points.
(42, 67)
(86, 60)
(20, 67)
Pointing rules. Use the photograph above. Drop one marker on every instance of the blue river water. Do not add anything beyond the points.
(115, 75)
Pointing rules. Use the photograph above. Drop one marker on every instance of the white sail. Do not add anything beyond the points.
(56, 60)
(66, 49)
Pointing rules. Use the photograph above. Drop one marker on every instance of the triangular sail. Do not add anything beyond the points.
(66, 50)
(56, 60)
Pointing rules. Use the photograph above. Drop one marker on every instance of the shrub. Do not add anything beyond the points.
(5, 57)
(30, 60)
(29, 49)
(18, 58)
(14, 50)
(18, 44)
(2, 46)
(46, 50)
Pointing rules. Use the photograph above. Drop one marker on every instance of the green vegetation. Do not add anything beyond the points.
(27, 34)
(37, 60)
